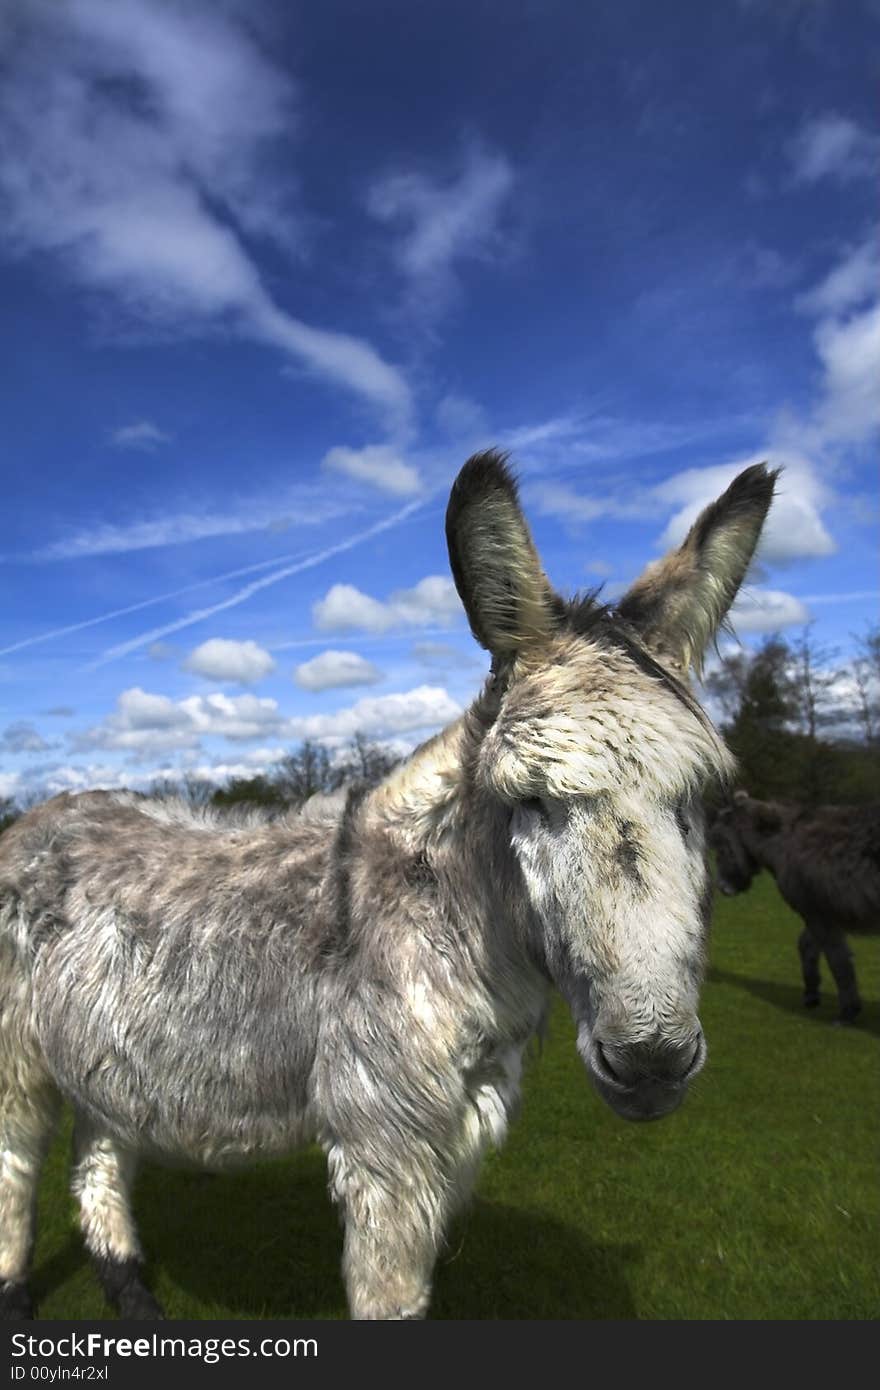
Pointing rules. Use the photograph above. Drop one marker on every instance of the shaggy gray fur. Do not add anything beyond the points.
(368, 972)
(826, 862)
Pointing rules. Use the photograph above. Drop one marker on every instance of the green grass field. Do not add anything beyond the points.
(758, 1199)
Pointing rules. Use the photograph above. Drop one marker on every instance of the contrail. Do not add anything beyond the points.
(361, 639)
(144, 603)
(123, 649)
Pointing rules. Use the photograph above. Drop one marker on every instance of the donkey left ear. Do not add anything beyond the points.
(505, 592)
(680, 602)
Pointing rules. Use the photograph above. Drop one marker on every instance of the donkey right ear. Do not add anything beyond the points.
(506, 595)
(680, 601)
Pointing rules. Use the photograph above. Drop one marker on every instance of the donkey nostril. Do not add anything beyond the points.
(607, 1066)
(697, 1056)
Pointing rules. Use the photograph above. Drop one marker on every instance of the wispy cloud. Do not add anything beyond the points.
(311, 506)
(141, 146)
(581, 438)
(833, 146)
(854, 279)
(23, 737)
(443, 221)
(143, 435)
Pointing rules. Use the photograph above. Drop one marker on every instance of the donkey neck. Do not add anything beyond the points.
(432, 808)
(766, 849)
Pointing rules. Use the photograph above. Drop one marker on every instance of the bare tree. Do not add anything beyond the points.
(812, 678)
(866, 676)
(300, 774)
(365, 762)
(197, 791)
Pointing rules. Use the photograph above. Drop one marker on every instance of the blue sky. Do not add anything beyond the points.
(271, 271)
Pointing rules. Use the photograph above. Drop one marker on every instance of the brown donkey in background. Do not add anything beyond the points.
(826, 862)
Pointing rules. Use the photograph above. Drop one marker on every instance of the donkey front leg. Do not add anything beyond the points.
(102, 1179)
(810, 952)
(27, 1118)
(394, 1226)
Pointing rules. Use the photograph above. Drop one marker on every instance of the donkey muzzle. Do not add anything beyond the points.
(647, 1079)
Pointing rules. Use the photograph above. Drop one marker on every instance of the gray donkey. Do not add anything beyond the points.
(826, 862)
(368, 972)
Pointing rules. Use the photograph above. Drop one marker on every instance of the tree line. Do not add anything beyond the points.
(803, 726)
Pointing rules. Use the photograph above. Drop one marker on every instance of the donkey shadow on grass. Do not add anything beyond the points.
(790, 998)
(283, 1249)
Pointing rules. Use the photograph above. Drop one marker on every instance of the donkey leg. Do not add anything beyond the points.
(27, 1118)
(840, 959)
(392, 1234)
(102, 1179)
(810, 952)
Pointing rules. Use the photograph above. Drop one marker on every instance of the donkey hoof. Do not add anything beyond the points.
(15, 1303)
(812, 1000)
(139, 1305)
(846, 1018)
(125, 1289)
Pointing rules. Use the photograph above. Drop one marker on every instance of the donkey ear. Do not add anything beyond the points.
(680, 602)
(495, 565)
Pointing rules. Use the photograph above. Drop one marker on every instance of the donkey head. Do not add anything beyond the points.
(733, 837)
(598, 753)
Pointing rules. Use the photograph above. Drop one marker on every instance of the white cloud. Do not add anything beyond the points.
(832, 146)
(377, 464)
(346, 609)
(138, 144)
(794, 528)
(849, 351)
(145, 725)
(10, 784)
(219, 659)
(846, 336)
(331, 669)
(444, 221)
(767, 610)
(142, 435)
(426, 707)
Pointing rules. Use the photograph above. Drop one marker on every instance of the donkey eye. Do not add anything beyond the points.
(534, 804)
